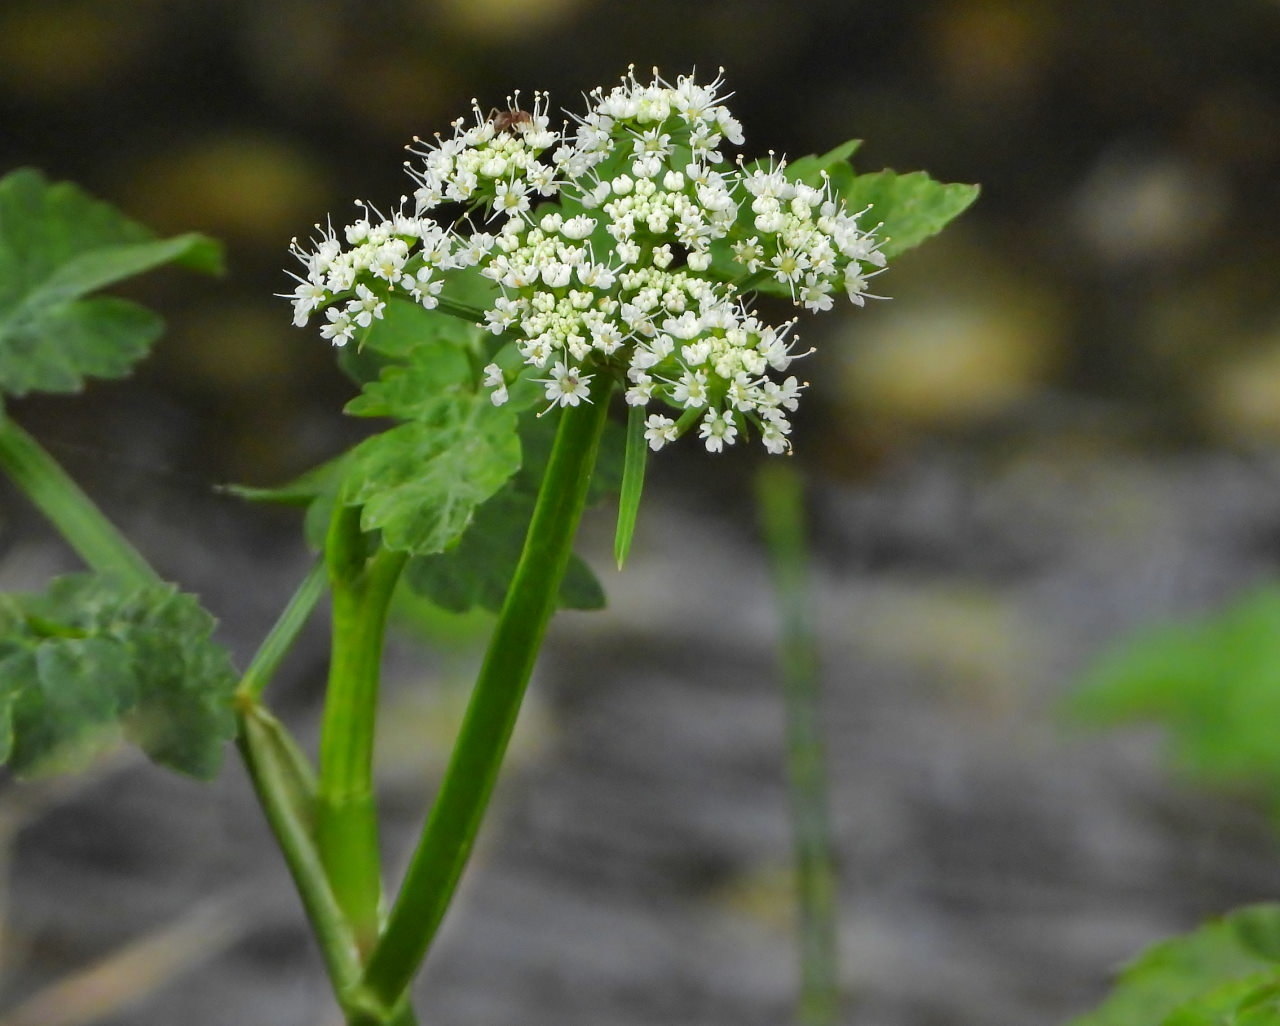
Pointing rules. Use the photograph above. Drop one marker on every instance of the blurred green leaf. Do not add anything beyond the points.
(1208, 976)
(911, 207)
(93, 656)
(1213, 684)
(57, 245)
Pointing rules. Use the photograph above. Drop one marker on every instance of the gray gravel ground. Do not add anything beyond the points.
(995, 867)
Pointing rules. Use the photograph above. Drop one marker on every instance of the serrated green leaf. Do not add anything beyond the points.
(477, 572)
(57, 245)
(93, 658)
(1213, 684)
(411, 392)
(420, 483)
(911, 207)
(1180, 981)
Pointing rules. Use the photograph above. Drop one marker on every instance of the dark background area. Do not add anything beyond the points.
(1061, 425)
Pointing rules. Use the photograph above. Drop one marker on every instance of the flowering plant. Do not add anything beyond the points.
(638, 272)
(534, 271)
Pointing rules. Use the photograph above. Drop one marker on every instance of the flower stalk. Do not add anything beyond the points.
(451, 829)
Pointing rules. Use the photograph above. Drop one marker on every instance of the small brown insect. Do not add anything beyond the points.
(506, 120)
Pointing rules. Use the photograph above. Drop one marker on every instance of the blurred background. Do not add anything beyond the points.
(1063, 425)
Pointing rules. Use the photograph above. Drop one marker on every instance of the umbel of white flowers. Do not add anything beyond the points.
(625, 277)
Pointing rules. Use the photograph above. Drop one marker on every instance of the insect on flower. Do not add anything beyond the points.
(506, 120)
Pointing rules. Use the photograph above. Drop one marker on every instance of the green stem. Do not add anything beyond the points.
(463, 311)
(71, 511)
(281, 781)
(347, 823)
(781, 503)
(632, 484)
(450, 832)
(283, 634)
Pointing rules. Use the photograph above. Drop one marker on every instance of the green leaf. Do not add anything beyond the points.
(834, 162)
(413, 392)
(1235, 1003)
(93, 658)
(477, 572)
(57, 245)
(911, 207)
(1188, 980)
(420, 483)
(1213, 684)
(405, 326)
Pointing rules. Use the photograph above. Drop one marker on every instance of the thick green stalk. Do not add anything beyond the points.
(781, 503)
(347, 819)
(70, 510)
(450, 832)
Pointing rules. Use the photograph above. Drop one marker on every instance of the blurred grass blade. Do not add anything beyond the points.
(780, 497)
(131, 973)
(632, 484)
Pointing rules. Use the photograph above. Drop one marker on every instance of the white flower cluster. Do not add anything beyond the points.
(637, 271)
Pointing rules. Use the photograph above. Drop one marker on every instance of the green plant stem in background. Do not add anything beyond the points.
(347, 820)
(68, 508)
(780, 496)
(283, 633)
(451, 829)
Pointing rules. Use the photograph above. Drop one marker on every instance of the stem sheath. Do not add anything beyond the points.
(347, 822)
(282, 784)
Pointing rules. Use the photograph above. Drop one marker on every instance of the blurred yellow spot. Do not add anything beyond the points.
(500, 20)
(1243, 396)
(241, 187)
(764, 894)
(947, 364)
(49, 51)
(976, 645)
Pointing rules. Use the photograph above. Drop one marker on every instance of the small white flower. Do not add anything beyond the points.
(567, 386)
(855, 285)
(816, 293)
(659, 430)
(340, 329)
(691, 390)
(578, 228)
(493, 379)
(366, 307)
(717, 430)
(307, 297)
(511, 198)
